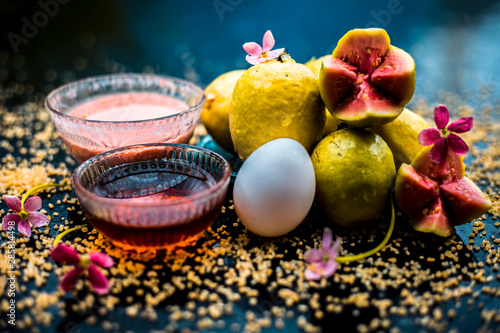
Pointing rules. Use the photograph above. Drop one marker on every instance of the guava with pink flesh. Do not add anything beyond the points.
(419, 190)
(433, 219)
(465, 201)
(367, 81)
(437, 197)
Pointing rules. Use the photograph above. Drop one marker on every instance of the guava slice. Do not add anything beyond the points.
(450, 170)
(433, 219)
(367, 82)
(464, 200)
(455, 201)
(414, 191)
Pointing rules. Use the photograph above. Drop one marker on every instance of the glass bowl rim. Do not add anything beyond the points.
(153, 204)
(51, 108)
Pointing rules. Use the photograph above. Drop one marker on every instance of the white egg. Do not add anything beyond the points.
(275, 188)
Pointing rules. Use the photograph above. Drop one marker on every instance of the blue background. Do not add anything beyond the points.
(455, 44)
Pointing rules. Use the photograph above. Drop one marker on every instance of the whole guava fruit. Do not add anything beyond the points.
(354, 171)
(367, 82)
(215, 113)
(437, 197)
(276, 99)
(401, 135)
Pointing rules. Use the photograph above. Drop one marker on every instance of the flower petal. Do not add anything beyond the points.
(101, 259)
(24, 228)
(274, 54)
(313, 255)
(10, 218)
(268, 41)
(438, 152)
(333, 252)
(13, 203)
(336, 247)
(326, 241)
(98, 280)
(441, 116)
(38, 219)
(252, 48)
(329, 268)
(457, 145)
(33, 204)
(254, 60)
(461, 125)
(312, 273)
(69, 279)
(64, 254)
(428, 136)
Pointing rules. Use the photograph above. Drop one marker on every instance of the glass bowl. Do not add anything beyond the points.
(85, 138)
(152, 195)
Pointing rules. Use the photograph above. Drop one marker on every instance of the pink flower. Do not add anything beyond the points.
(257, 54)
(24, 215)
(322, 262)
(63, 254)
(443, 138)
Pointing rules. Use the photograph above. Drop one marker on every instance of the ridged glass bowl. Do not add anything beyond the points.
(152, 195)
(85, 138)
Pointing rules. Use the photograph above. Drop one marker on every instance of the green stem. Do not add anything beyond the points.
(346, 259)
(64, 233)
(35, 189)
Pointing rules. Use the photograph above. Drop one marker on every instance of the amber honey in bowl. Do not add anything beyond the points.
(139, 200)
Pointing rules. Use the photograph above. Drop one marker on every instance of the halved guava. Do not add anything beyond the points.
(437, 197)
(450, 170)
(367, 82)
(464, 200)
(433, 219)
(414, 191)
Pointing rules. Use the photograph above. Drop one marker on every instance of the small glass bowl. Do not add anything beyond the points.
(152, 195)
(86, 138)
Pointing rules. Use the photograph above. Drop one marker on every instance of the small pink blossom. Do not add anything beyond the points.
(258, 54)
(443, 137)
(25, 215)
(322, 262)
(63, 254)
